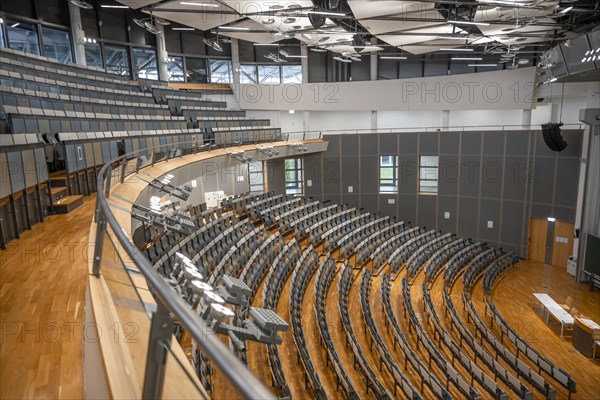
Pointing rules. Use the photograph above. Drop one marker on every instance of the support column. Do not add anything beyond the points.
(306, 121)
(304, 62)
(373, 71)
(235, 60)
(162, 55)
(77, 34)
(526, 118)
(445, 120)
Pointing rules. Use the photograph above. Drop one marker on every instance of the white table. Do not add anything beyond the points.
(552, 307)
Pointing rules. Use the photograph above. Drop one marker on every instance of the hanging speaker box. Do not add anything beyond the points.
(552, 136)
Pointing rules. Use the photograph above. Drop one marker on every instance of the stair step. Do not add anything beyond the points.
(58, 193)
(67, 204)
(59, 181)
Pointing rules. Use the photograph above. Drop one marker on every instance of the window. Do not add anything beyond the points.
(117, 61)
(293, 176)
(428, 174)
(22, 36)
(145, 64)
(256, 178)
(195, 70)
(268, 74)
(248, 74)
(175, 68)
(93, 55)
(388, 174)
(220, 71)
(291, 74)
(57, 45)
(2, 39)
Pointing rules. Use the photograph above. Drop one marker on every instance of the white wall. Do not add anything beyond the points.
(489, 118)
(408, 119)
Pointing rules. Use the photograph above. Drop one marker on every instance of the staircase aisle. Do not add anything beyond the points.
(43, 279)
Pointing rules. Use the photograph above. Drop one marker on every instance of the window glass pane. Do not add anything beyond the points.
(268, 74)
(175, 67)
(428, 174)
(388, 174)
(248, 74)
(93, 55)
(22, 36)
(145, 64)
(117, 60)
(255, 177)
(57, 45)
(2, 38)
(291, 74)
(293, 176)
(196, 70)
(220, 71)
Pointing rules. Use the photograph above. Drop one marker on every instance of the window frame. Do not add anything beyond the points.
(388, 185)
(295, 185)
(423, 170)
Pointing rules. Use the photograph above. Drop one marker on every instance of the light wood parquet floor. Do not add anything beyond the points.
(43, 277)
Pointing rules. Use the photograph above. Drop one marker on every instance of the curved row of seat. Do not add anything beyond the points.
(381, 254)
(324, 279)
(367, 246)
(348, 242)
(385, 358)
(371, 379)
(406, 250)
(417, 259)
(303, 272)
(278, 274)
(477, 264)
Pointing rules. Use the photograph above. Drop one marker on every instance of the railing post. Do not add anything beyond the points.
(99, 240)
(161, 330)
(123, 166)
(107, 182)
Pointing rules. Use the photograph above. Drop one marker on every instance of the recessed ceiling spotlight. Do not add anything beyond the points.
(268, 21)
(318, 50)
(289, 20)
(523, 61)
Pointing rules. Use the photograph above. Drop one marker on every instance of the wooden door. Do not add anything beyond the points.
(536, 246)
(562, 243)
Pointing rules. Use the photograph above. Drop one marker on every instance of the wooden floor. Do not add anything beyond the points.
(43, 278)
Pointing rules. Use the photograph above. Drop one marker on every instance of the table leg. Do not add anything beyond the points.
(561, 329)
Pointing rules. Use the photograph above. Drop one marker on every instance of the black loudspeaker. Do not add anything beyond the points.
(552, 136)
(316, 20)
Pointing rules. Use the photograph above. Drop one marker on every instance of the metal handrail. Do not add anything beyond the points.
(237, 373)
(456, 128)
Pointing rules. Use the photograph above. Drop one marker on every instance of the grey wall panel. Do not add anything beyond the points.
(313, 172)
(515, 178)
(564, 213)
(368, 144)
(512, 215)
(15, 170)
(276, 176)
(388, 144)
(493, 143)
(543, 176)
(369, 202)
(41, 165)
(333, 147)
(470, 143)
(491, 176)
(489, 210)
(5, 188)
(517, 143)
(427, 213)
(449, 142)
(567, 173)
(369, 174)
(29, 168)
(388, 204)
(428, 144)
(467, 218)
(446, 204)
(350, 145)
(541, 210)
(334, 198)
(408, 174)
(331, 174)
(105, 151)
(469, 175)
(574, 139)
(449, 175)
(408, 143)
(407, 208)
(350, 174)
(89, 154)
(353, 200)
